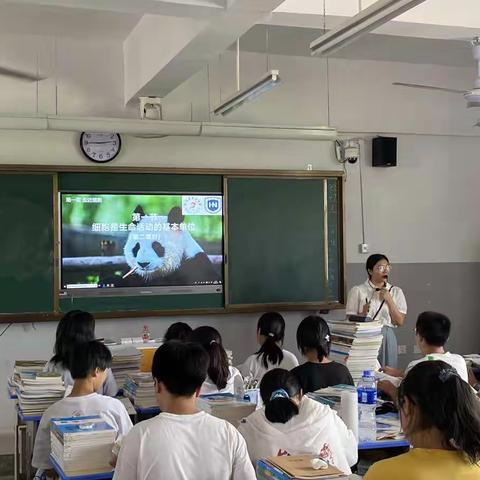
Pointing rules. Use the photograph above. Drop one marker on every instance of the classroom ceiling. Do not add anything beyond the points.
(166, 41)
(296, 40)
(23, 19)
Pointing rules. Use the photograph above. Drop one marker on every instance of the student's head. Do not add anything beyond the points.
(270, 335)
(281, 394)
(432, 330)
(75, 327)
(209, 338)
(433, 398)
(89, 361)
(313, 337)
(178, 331)
(378, 268)
(179, 369)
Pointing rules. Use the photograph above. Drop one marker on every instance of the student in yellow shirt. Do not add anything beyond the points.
(441, 418)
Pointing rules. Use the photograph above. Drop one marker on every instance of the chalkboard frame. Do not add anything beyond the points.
(57, 169)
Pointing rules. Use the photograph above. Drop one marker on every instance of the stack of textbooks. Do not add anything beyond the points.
(82, 445)
(36, 391)
(356, 345)
(23, 366)
(140, 389)
(125, 361)
(226, 407)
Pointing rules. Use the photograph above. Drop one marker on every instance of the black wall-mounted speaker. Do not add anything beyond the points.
(384, 152)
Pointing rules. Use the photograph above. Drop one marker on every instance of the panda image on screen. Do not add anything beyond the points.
(173, 257)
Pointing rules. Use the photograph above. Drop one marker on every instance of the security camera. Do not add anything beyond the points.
(347, 151)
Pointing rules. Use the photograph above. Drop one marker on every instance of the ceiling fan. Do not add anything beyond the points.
(19, 75)
(471, 96)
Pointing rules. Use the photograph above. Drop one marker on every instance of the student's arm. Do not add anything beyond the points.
(41, 449)
(393, 372)
(127, 462)
(389, 388)
(122, 419)
(110, 388)
(242, 466)
(347, 439)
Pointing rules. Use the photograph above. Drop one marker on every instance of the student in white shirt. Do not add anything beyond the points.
(89, 373)
(182, 443)
(293, 424)
(221, 377)
(379, 300)
(270, 336)
(76, 327)
(431, 333)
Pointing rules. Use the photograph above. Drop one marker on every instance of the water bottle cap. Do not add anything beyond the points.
(368, 373)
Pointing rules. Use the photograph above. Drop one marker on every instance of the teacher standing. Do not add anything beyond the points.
(381, 301)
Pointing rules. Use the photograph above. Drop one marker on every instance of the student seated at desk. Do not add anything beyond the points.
(182, 442)
(313, 339)
(431, 334)
(293, 424)
(178, 331)
(221, 376)
(74, 328)
(89, 371)
(440, 416)
(270, 335)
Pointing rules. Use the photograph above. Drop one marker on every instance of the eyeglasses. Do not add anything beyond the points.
(383, 268)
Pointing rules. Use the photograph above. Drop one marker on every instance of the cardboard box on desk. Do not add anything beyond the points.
(294, 467)
(228, 408)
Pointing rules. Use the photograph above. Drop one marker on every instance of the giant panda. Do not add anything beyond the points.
(173, 258)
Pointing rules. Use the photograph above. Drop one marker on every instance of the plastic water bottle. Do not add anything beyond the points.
(239, 388)
(146, 334)
(367, 402)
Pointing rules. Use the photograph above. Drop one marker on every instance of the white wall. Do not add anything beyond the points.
(422, 211)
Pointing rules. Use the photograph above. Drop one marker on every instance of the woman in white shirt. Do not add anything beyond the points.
(221, 377)
(293, 424)
(381, 301)
(270, 335)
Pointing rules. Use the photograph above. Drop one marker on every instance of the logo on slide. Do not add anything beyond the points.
(213, 205)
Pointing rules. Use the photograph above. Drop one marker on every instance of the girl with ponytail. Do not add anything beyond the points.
(270, 335)
(221, 376)
(440, 416)
(293, 424)
(313, 340)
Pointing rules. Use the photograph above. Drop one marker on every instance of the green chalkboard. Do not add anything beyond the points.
(26, 243)
(284, 241)
(283, 244)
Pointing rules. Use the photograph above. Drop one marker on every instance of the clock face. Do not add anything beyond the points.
(100, 147)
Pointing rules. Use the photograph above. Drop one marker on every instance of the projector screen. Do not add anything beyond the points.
(124, 243)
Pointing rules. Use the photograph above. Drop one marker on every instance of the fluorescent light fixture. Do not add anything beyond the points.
(364, 22)
(265, 84)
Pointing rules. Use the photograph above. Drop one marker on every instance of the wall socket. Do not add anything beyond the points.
(402, 349)
(363, 248)
(416, 349)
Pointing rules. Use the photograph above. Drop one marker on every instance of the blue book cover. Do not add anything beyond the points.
(77, 425)
(265, 471)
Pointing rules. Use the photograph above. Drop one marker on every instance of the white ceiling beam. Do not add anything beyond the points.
(177, 8)
(433, 19)
(161, 53)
